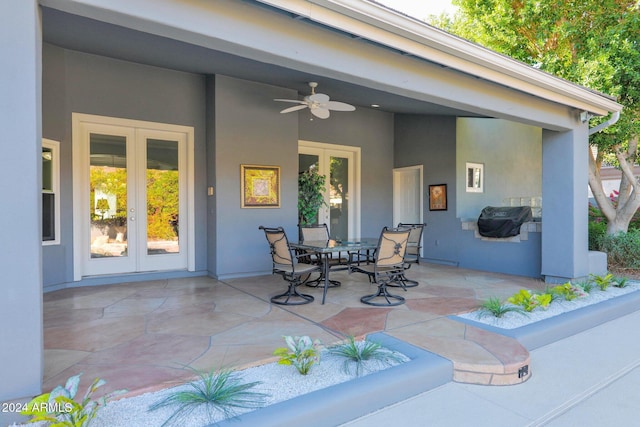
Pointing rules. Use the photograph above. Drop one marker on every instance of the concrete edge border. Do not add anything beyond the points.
(344, 402)
(555, 328)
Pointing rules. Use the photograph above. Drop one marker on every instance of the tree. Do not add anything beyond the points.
(592, 43)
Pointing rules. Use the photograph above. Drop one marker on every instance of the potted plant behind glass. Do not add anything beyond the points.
(311, 188)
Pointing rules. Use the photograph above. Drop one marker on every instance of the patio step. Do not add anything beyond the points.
(478, 356)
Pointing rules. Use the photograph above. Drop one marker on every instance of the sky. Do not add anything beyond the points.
(420, 8)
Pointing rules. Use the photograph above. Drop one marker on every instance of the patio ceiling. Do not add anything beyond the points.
(100, 38)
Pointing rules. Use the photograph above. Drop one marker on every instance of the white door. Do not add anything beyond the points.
(407, 195)
(340, 164)
(132, 198)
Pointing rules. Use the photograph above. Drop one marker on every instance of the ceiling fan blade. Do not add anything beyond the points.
(295, 101)
(321, 113)
(339, 106)
(294, 108)
(319, 98)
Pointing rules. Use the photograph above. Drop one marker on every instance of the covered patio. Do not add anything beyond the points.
(139, 336)
(91, 82)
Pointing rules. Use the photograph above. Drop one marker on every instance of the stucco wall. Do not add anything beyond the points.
(431, 141)
(512, 157)
(83, 83)
(249, 130)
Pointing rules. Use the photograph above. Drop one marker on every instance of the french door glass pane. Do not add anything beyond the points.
(307, 162)
(108, 195)
(162, 197)
(339, 197)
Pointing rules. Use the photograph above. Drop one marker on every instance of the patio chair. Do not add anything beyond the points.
(413, 251)
(320, 232)
(286, 265)
(387, 267)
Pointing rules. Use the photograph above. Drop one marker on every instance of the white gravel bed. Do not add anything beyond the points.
(280, 382)
(515, 320)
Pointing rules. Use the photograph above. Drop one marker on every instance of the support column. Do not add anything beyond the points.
(565, 251)
(21, 341)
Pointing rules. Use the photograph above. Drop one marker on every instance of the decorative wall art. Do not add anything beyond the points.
(260, 186)
(438, 197)
(475, 177)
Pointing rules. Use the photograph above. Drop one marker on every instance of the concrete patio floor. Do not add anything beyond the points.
(140, 335)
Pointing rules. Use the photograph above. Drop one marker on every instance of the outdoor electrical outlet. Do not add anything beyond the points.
(524, 371)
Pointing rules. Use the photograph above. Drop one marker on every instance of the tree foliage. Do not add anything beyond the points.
(594, 44)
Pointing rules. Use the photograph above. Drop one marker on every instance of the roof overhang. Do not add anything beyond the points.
(397, 31)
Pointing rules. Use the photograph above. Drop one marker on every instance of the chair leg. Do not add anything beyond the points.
(403, 282)
(320, 282)
(390, 299)
(292, 296)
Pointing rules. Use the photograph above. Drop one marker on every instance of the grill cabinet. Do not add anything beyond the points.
(503, 221)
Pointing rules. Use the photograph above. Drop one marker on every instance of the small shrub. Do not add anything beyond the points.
(300, 352)
(59, 408)
(602, 282)
(529, 301)
(495, 307)
(586, 286)
(221, 391)
(357, 353)
(597, 232)
(619, 282)
(569, 291)
(623, 249)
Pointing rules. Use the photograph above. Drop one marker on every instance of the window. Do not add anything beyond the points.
(50, 192)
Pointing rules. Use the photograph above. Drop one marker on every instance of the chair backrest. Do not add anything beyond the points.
(415, 237)
(392, 247)
(279, 244)
(314, 232)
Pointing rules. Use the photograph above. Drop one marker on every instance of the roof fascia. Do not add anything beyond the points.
(401, 32)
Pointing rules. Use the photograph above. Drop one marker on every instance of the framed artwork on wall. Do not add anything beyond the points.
(260, 186)
(474, 177)
(438, 197)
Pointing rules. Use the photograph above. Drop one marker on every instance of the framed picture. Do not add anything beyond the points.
(475, 177)
(438, 197)
(260, 186)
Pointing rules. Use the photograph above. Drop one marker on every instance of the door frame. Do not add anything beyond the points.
(80, 183)
(396, 194)
(322, 148)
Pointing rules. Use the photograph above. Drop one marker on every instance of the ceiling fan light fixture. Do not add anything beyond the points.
(319, 104)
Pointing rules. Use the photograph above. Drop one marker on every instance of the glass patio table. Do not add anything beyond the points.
(324, 248)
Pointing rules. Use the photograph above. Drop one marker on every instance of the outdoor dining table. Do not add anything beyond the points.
(324, 248)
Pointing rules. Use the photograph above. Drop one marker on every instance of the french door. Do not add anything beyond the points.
(132, 197)
(340, 165)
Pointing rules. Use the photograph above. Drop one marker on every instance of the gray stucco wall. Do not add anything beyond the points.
(431, 141)
(83, 83)
(441, 145)
(512, 157)
(250, 130)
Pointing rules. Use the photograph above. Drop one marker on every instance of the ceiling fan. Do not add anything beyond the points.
(318, 103)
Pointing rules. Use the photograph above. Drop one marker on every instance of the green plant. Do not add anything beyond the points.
(602, 282)
(216, 390)
(356, 353)
(586, 286)
(496, 307)
(619, 282)
(311, 187)
(623, 249)
(569, 291)
(529, 301)
(300, 352)
(59, 409)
